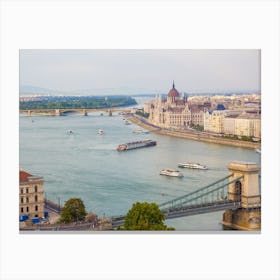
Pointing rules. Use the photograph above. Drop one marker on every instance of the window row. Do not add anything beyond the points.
(27, 199)
(27, 209)
(27, 189)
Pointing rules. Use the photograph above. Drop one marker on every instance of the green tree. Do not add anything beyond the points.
(73, 211)
(246, 138)
(198, 127)
(145, 216)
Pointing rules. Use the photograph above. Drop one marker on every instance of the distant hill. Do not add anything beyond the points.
(132, 91)
(26, 89)
(33, 90)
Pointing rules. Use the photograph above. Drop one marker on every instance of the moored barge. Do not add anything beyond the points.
(136, 145)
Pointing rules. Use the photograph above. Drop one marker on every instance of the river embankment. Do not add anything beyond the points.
(191, 134)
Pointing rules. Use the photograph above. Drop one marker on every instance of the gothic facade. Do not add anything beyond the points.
(174, 111)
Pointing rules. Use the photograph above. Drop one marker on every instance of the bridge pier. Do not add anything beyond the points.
(242, 219)
(85, 112)
(29, 113)
(57, 112)
(246, 190)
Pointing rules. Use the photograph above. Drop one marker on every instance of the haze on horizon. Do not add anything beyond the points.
(142, 70)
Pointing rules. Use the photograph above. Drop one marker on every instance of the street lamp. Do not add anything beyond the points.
(76, 213)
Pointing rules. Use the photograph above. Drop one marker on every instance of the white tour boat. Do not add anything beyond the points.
(140, 131)
(100, 131)
(258, 150)
(171, 172)
(192, 165)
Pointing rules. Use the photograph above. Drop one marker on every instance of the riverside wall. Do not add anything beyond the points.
(193, 135)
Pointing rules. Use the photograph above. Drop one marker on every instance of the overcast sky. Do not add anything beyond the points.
(145, 70)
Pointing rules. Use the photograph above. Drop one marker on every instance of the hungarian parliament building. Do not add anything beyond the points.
(235, 118)
(175, 111)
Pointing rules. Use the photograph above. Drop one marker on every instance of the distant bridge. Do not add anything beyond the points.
(65, 111)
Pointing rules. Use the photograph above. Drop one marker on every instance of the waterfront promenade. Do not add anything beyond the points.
(192, 134)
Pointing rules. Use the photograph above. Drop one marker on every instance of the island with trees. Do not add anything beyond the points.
(75, 102)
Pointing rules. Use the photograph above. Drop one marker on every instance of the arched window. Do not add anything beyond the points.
(36, 188)
(36, 207)
(27, 200)
(36, 198)
(237, 190)
(27, 209)
(238, 186)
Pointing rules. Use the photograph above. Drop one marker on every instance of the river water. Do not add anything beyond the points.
(87, 165)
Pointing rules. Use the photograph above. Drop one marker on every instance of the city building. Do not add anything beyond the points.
(223, 114)
(214, 121)
(243, 124)
(233, 123)
(31, 195)
(174, 111)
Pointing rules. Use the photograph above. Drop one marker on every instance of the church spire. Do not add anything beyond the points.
(173, 84)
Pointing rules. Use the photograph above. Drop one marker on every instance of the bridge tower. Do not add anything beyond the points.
(246, 190)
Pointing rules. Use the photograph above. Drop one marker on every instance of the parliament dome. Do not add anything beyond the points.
(173, 92)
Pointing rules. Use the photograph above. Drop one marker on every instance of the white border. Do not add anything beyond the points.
(157, 24)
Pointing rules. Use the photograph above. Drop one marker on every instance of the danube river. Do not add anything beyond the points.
(87, 165)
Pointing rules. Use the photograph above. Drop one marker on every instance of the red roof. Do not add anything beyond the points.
(180, 102)
(23, 176)
(193, 111)
(176, 110)
(173, 93)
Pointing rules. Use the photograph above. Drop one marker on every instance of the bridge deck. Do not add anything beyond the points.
(201, 209)
(189, 210)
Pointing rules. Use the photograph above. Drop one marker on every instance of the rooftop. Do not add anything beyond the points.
(173, 92)
(26, 177)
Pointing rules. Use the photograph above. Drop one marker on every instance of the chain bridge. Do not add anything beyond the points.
(212, 197)
(235, 192)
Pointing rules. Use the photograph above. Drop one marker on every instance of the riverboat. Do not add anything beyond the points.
(127, 122)
(136, 145)
(100, 131)
(192, 165)
(258, 150)
(171, 172)
(139, 131)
